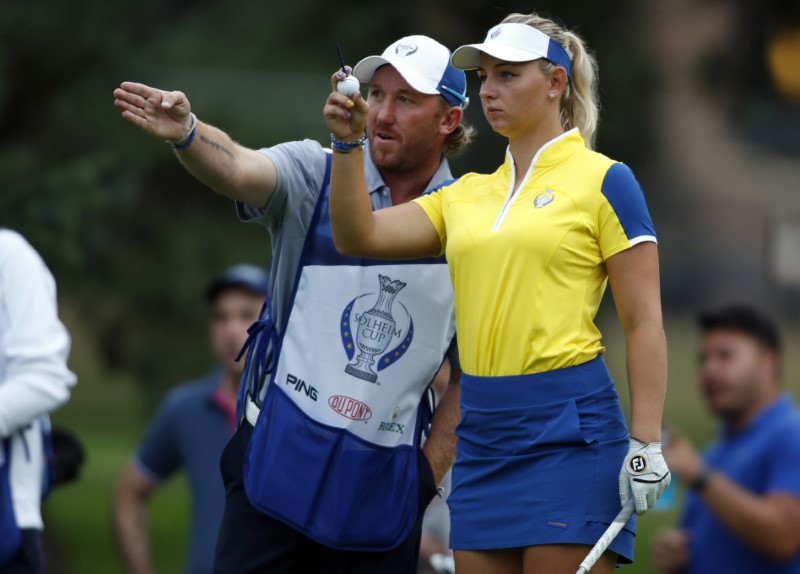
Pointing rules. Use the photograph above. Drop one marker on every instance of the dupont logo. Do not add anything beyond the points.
(350, 408)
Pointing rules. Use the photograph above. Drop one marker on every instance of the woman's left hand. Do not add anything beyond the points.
(644, 475)
(346, 116)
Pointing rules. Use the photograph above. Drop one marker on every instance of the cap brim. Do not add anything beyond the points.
(366, 68)
(224, 285)
(469, 57)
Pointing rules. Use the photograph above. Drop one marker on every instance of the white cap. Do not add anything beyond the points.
(513, 43)
(424, 63)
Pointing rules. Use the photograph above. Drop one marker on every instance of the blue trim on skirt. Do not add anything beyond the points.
(538, 459)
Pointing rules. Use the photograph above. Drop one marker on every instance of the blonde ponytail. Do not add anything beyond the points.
(580, 107)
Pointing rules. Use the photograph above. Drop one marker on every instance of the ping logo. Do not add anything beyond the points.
(544, 199)
(495, 33)
(405, 50)
(301, 386)
(637, 464)
(350, 408)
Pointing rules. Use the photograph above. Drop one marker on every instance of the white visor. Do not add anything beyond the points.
(513, 43)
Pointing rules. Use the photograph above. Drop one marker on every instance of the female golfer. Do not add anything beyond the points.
(530, 248)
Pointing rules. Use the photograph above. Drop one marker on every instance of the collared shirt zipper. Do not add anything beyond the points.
(512, 193)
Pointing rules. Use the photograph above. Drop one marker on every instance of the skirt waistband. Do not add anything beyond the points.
(536, 388)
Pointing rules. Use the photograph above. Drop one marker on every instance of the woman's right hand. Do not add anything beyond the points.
(346, 116)
(164, 115)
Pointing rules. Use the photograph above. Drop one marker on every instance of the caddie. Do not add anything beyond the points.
(325, 472)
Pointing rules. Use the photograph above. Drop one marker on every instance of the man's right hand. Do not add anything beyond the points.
(164, 115)
(670, 551)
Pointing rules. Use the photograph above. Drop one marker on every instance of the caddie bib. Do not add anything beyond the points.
(334, 449)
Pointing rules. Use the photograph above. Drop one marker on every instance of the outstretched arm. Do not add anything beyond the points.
(400, 232)
(213, 157)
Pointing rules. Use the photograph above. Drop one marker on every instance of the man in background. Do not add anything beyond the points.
(190, 429)
(34, 381)
(743, 512)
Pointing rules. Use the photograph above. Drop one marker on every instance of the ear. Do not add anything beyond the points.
(450, 120)
(558, 81)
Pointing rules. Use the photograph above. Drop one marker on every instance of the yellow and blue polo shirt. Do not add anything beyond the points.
(528, 267)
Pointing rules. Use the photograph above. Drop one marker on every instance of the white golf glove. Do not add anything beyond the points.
(644, 475)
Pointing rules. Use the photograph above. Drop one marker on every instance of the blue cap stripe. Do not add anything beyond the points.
(453, 85)
(558, 55)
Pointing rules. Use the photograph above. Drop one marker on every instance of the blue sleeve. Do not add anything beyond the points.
(626, 198)
(784, 469)
(436, 188)
(159, 453)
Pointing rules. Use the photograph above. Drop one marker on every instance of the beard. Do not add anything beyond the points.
(406, 155)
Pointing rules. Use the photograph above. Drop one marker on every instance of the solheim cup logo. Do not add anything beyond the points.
(375, 330)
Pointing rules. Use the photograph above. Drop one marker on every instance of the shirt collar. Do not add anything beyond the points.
(375, 182)
(554, 151)
(371, 173)
(783, 405)
(217, 398)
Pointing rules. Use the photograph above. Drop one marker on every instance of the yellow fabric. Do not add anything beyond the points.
(527, 288)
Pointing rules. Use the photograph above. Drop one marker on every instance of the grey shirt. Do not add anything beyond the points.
(301, 168)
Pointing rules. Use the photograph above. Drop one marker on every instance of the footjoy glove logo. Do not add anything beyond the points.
(350, 408)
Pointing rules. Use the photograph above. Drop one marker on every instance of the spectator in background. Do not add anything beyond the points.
(34, 381)
(743, 514)
(190, 429)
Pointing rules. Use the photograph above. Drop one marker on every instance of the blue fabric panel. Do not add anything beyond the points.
(547, 449)
(625, 195)
(440, 186)
(558, 55)
(327, 483)
(321, 250)
(10, 535)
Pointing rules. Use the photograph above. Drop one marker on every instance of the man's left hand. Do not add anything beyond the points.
(682, 457)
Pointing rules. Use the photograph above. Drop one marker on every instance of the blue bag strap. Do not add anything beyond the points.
(262, 336)
(47, 449)
(10, 535)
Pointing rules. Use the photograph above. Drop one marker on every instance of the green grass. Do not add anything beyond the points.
(108, 416)
(78, 515)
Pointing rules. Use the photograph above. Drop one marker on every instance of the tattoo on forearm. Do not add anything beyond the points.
(214, 144)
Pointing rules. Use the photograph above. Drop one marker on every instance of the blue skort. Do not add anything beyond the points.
(538, 460)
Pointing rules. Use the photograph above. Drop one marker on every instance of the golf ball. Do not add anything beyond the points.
(348, 86)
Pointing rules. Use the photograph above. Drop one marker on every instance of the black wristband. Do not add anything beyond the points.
(701, 482)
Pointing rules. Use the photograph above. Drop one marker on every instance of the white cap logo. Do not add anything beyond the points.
(496, 33)
(405, 50)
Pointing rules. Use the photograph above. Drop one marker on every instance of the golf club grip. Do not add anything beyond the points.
(611, 532)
